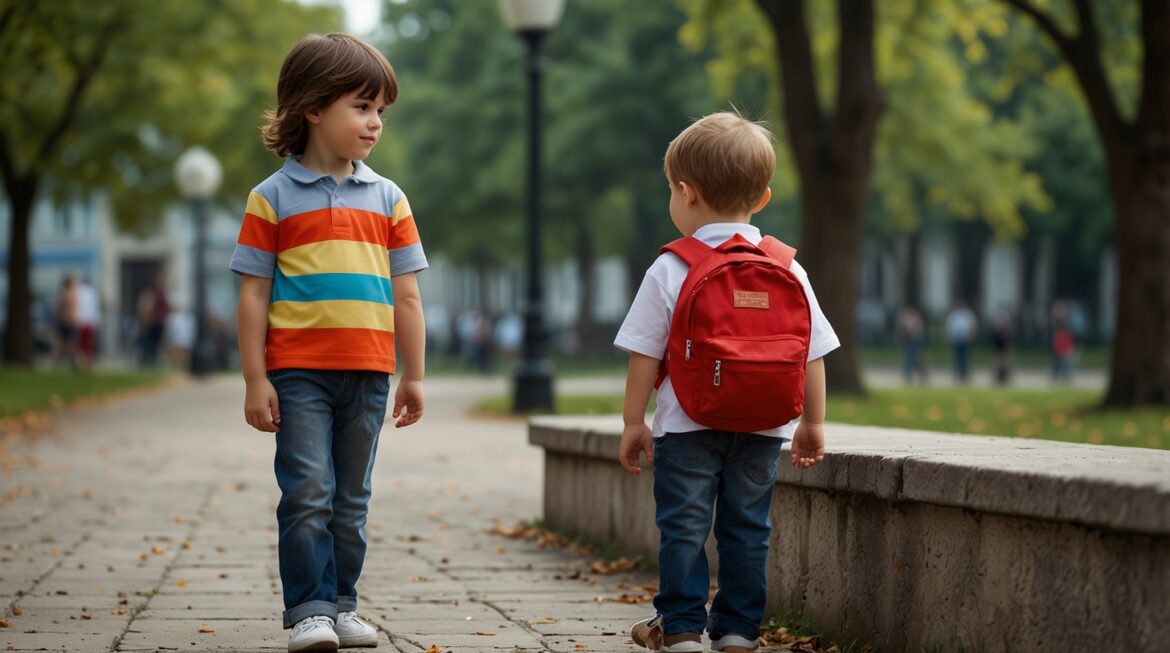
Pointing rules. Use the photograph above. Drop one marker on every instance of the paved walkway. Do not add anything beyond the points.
(148, 524)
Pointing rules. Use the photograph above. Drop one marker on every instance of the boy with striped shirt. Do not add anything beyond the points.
(328, 251)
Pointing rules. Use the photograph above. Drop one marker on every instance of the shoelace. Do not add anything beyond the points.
(317, 622)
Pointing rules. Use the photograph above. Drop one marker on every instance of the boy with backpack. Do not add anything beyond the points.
(726, 325)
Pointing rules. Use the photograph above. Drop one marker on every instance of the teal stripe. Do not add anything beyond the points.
(333, 285)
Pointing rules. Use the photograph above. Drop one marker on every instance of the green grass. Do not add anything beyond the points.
(26, 390)
(938, 354)
(565, 405)
(1049, 414)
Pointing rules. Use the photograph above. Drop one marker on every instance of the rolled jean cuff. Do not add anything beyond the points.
(720, 625)
(310, 609)
(346, 604)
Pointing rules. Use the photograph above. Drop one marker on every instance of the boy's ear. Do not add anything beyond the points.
(764, 199)
(313, 116)
(690, 193)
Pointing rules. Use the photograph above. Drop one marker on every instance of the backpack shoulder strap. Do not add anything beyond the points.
(690, 249)
(778, 250)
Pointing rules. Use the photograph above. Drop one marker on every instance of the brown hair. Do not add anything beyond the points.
(726, 157)
(317, 71)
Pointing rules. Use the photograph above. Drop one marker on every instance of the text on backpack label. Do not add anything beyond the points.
(749, 299)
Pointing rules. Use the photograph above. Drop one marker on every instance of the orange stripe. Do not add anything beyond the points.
(333, 224)
(331, 349)
(404, 233)
(258, 232)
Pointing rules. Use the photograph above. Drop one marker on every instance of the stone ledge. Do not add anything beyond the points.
(1118, 488)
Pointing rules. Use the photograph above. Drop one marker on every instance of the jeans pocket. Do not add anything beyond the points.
(686, 450)
(761, 459)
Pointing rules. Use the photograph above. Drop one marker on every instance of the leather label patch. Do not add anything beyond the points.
(748, 299)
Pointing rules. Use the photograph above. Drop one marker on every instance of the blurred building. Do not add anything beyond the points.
(81, 238)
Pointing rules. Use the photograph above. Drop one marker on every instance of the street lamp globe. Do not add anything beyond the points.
(198, 173)
(524, 15)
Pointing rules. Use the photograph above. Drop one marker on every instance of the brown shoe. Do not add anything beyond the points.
(647, 633)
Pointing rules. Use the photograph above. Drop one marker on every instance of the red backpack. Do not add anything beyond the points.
(738, 344)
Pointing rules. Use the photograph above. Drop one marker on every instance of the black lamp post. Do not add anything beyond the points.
(198, 175)
(531, 20)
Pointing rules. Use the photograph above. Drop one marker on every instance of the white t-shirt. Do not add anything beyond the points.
(647, 325)
(89, 305)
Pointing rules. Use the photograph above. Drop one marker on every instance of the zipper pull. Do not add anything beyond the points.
(688, 354)
(718, 364)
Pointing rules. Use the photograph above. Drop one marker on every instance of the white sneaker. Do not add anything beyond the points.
(313, 634)
(353, 632)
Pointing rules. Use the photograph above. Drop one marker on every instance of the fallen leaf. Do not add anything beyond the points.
(484, 633)
(4, 623)
(17, 611)
(180, 583)
(544, 620)
(158, 550)
(435, 648)
(206, 629)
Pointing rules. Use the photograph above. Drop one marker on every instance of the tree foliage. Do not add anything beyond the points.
(105, 95)
(924, 53)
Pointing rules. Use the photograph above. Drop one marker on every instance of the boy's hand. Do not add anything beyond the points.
(636, 439)
(808, 445)
(261, 406)
(408, 403)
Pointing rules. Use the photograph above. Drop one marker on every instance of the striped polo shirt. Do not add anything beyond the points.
(330, 249)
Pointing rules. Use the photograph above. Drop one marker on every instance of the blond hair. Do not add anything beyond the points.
(317, 71)
(726, 157)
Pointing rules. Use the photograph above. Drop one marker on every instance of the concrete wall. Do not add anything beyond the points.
(909, 539)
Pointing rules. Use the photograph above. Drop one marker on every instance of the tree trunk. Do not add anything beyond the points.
(830, 250)
(1140, 369)
(833, 152)
(18, 341)
(1138, 154)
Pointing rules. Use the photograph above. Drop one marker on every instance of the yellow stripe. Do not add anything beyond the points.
(344, 256)
(331, 314)
(401, 210)
(258, 206)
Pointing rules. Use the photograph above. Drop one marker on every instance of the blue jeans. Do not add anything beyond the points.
(728, 476)
(329, 426)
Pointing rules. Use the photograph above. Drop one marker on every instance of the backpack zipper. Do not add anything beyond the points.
(718, 364)
(688, 355)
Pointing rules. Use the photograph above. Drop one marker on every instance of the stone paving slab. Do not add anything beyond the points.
(139, 523)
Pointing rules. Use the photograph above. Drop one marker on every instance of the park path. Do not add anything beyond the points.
(147, 524)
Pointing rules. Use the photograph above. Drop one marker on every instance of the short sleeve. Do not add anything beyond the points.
(405, 247)
(647, 325)
(255, 252)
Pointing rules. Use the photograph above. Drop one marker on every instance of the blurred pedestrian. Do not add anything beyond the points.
(1001, 345)
(89, 318)
(152, 309)
(179, 337)
(910, 331)
(961, 327)
(1063, 344)
(66, 316)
